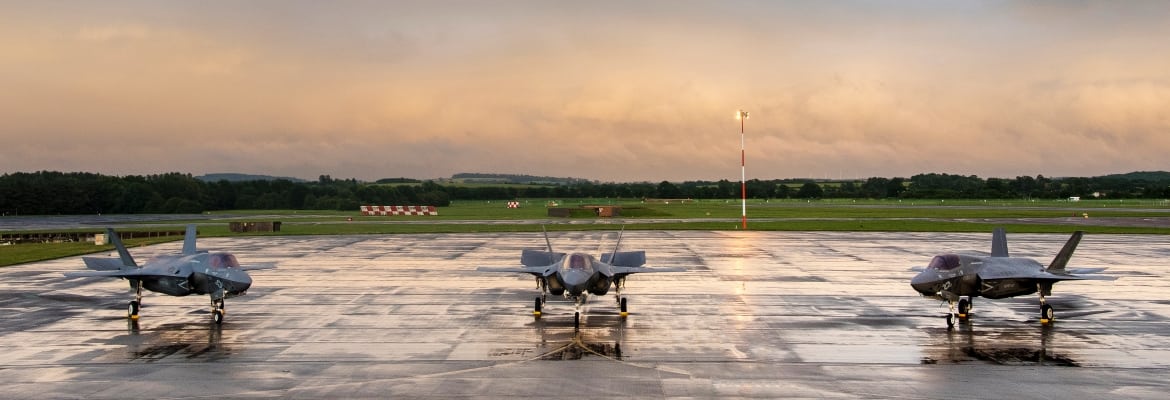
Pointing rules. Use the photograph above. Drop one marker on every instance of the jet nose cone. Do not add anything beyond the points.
(919, 279)
(924, 284)
(242, 281)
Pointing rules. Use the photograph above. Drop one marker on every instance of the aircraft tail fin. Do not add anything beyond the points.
(546, 241)
(999, 246)
(123, 254)
(1066, 252)
(189, 240)
(616, 246)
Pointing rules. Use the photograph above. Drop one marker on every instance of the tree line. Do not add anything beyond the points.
(48, 192)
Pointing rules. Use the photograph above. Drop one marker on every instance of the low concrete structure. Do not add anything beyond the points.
(266, 226)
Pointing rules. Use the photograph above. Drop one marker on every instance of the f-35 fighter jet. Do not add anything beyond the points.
(578, 275)
(218, 275)
(951, 276)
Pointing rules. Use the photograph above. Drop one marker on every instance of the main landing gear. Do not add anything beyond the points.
(965, 307)
(964, 311)
(536, 308)
(617, 285)
(1047, 316)
(132, 309)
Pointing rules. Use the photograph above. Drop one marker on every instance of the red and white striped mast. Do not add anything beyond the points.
(741, 115)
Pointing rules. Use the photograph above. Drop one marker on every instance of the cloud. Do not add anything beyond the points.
(108, 33)
(609, 91)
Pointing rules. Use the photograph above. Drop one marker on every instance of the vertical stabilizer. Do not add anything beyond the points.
(127, 260)
(546, 241)
(1066, 253)
(619, 243)
(189, 240)
(999, 243)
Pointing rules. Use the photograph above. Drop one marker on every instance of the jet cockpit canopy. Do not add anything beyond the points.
(223, 260)
(944, 262)
(578, 262)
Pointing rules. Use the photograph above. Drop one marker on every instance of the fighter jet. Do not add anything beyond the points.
(950, 276)
(190, 272)
(578, 275)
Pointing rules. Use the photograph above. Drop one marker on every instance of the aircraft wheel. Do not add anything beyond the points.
(132, 310)
(623, 307)
(217, 316)
(536, 308)
(576, 320)
(1046, 314)
(950, 321)
(964, 308)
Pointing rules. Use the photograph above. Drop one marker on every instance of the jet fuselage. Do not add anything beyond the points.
(202, 273)
(579, 273)
(951, 275)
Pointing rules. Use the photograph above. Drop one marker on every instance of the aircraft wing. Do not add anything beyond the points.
(129, 273)
(619, 271)
(1041, 275)
(543, 270)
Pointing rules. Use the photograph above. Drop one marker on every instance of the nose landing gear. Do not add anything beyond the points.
(217, 311)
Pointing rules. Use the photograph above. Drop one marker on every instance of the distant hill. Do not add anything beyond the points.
(513, 178)
(232, 177)
(1148, 176)
(397, 180)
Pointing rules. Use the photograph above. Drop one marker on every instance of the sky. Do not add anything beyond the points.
(614, 91)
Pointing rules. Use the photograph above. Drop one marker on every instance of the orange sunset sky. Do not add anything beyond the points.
(612, 91)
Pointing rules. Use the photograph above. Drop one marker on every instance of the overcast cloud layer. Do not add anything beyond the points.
(613, 91)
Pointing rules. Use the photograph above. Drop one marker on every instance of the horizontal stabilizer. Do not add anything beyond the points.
(533, 258)
(104, 263)
(543, 270)
(1097, 277)
(625, 258)
(1078, 271)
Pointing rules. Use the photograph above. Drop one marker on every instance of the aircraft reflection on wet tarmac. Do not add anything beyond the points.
(1005, 346)
(756, 314)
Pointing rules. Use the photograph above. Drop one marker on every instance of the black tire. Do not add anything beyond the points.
(964, 308)
(537, 305)
(1047, 314)
(132, 309)
(623, 305)
(576, 320)
(217, 316)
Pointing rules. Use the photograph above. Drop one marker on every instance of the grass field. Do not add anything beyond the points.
(774, 215)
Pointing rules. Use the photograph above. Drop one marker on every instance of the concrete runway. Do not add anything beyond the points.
(758, 314)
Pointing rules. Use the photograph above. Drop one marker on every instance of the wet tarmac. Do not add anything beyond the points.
(758, 314)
